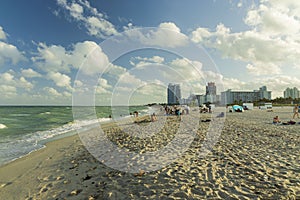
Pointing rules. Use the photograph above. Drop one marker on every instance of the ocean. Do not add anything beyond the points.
(24, 129)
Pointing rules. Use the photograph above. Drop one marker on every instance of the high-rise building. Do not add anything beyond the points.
(211, 89)
(291, 92)
(174, 94)
(264, 93)
(229, 96)
(211, 92)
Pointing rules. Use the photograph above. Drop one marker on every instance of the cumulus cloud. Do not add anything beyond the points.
(7, 77)
(61, 80)
(30, 73)
(272, 41)
(155, 59)
(239, 4)
(130, 80)
(189, 70)
(85, 55)
(10, 84)
(167, 34)
(10, 53)
(94, 21)
(8, 91)
(261, 68)
(144, 61)
(52, 58)
(52, 92)
(2, 34)
(25, 84)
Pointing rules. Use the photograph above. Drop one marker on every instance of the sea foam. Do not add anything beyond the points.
(2, 126)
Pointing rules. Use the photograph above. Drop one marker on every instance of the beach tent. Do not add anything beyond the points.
(248, 106)
(237, 108)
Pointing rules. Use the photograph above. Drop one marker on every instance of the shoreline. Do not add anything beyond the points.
(253, 159)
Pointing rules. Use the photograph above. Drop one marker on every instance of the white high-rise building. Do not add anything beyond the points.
(291, 92)
(229, 96)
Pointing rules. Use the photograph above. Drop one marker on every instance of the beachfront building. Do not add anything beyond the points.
(201, 99)
(230, 96)
(209, 96)
(211, 89)
(291, 92)
(211, 92)
(174, 94)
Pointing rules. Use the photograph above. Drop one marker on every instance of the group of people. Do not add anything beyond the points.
(177, 110)
(276, 119)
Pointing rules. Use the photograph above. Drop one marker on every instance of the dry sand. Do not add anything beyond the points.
(253, 159)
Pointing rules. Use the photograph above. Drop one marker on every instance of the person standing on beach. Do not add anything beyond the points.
(296, 111)
(153, 117)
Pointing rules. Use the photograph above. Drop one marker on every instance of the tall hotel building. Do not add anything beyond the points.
(229, 96)
(291, 92)
(174, 94)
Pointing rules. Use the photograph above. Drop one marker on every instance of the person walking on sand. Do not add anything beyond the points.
(296, 111)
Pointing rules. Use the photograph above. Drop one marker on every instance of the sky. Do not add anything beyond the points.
(63, 52)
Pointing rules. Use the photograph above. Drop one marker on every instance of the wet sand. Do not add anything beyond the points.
(252, 159)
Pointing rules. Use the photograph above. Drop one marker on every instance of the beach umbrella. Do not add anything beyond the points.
(237, 108)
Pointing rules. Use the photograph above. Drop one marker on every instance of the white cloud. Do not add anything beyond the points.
(166, 35)
(76, 10)
(2, 34)
(239, 4)
(10, 53)
(67, 94)
(30, 73)
(154, 59)
(8, 91)
(78, 83)
(145, 61)
(7, 77)
(275, 17)
(115, 70)
(52, 58)
(201, 34)
(96, 60)
(187, 70)
(61, 80)
(52, 92)
(263, 69)
(103, 87)
(22, 82)
(149, 93)
(10, 84)
(103, 83)
(273, 41)
(95, 22)
(87, 55)
(129, 80)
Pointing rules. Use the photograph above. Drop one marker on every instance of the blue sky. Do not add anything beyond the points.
(54, 51)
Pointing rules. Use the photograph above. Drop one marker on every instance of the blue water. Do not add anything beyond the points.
(24, 129)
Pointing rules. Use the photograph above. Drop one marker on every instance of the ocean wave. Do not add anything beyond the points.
(20, 115)
(2, 126)
(13, 148)
(45, 113)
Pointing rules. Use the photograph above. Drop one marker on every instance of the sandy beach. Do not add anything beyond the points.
(252, 159)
